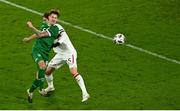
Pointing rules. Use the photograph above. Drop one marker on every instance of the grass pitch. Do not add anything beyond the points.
(116, 76)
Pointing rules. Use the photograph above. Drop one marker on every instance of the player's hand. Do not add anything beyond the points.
(26, 40)
(29, 24)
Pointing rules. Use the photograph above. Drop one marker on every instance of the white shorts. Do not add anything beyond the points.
(60, 59)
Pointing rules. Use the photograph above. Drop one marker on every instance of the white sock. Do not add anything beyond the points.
(81, 84)
(49, 80)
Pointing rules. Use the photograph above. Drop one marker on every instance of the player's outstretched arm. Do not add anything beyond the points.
(36, 31)
(30, 38)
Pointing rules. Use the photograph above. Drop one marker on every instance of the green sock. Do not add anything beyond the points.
(41, 76)
(40, 82)
(35, 84)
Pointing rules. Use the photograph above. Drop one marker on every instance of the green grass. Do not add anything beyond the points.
(116, 76)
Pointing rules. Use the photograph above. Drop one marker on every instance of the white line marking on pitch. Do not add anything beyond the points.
(94, 33)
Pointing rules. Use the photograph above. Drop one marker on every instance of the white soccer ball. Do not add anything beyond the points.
(119, 39)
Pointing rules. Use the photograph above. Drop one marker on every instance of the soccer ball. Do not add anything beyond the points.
(119, 39)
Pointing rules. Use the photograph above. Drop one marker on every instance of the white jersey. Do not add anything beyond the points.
(65, 47)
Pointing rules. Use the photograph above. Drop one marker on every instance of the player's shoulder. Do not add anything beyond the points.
(58, 26)
(44, 25)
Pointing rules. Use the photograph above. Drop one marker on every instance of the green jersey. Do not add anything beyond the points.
(43, 45)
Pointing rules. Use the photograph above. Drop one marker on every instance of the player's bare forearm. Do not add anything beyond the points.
(34, 36)
(36, 31)
(30, 38)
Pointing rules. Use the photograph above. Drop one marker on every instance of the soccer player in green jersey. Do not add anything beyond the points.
(45, 38)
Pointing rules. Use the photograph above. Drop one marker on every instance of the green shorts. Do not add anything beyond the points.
(38, 56)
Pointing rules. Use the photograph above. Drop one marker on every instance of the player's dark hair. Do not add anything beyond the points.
(53, 11)
(46, 14)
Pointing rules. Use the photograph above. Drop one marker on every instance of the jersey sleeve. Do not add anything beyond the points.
(53, 31)
(62, 37)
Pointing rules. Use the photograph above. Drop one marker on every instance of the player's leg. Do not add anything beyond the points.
(49, 79)
(40, 77)
(80, 82)
(55, 63)
(79, 79)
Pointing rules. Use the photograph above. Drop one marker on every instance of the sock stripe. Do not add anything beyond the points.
(76, 75)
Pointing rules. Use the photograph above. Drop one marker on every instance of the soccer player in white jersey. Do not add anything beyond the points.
(65, 54)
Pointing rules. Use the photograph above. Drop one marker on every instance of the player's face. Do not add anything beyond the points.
(53, 19)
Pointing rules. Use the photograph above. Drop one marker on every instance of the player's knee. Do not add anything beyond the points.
(49, 71)
(74, 72)
(42, 65)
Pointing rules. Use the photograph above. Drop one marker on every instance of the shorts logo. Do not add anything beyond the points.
(39, 55)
